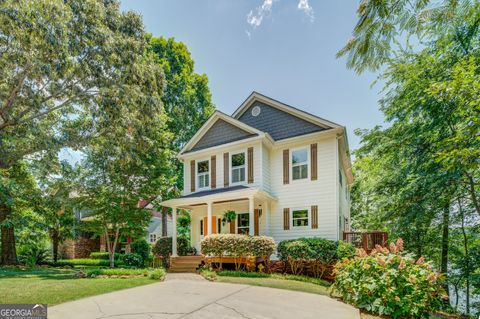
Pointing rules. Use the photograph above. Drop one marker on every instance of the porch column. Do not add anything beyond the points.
(266, 213)
(174, 232)
(209, 218)
(251, 217)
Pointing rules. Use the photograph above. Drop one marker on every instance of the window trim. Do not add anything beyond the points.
(208, 174)
(237, 223)
(306, 148)
(309, 217)
(245, 166)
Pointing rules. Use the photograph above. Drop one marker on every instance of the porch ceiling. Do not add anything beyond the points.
(221, 195)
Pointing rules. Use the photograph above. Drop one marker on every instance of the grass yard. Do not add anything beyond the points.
(289, 282)
(54, 286)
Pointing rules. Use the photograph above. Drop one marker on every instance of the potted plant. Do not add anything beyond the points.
(228, 216)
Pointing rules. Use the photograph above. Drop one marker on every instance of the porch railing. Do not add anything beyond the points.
(366, 240)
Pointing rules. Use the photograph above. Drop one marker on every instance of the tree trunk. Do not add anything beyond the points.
(473, 195)
(445, 233)
(466, 249)
(164, 221)
(8, 254)
(55, 242)
(112, 246)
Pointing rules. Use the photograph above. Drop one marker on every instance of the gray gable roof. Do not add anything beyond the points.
(279, 124)
(220, 133)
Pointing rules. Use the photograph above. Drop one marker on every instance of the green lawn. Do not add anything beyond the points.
(54, 286)
(289, 282)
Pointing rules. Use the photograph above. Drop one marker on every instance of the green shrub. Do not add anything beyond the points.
(31, 255)
(156, 274)
(105, 255)
(238, 245)
(133, 260)
(91, 262)
(313, 256)
(163, 246)
(390, 282)
(141, 247)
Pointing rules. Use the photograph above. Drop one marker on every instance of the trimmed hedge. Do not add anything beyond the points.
(313, 256)
(390, 282)
(238, 245)
(105, 256)
(156, 274)
(91, 262)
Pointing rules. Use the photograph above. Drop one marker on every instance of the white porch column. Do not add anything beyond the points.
(174, 233)
(251, 217)
(266, 213)
(209, 218)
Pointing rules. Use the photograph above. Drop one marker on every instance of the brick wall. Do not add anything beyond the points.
(79, 248)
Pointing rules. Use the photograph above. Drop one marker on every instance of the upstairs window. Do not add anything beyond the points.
(300, 164)
(153, 238)
(300, 218)
(238, 167)
(203, 174)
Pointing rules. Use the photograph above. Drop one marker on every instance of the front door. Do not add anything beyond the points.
(243, 223)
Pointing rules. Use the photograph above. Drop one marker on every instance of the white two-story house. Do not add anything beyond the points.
(285, 172)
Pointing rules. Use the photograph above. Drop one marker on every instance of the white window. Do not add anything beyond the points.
(300, 164)
(300, 217)
(243, 223)
(153, 238)
(237, 162)
(203, 174)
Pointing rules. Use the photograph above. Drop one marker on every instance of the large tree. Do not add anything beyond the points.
(187, 101)
(410, 175)
(64, 64)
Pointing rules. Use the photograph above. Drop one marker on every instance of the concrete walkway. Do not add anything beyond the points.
(190, 296)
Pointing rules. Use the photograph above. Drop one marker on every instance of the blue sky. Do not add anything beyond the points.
(289, 56)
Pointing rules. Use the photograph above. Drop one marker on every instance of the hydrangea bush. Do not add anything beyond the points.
(389, 281)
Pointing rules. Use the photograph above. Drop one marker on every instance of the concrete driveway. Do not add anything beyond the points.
(190, 296)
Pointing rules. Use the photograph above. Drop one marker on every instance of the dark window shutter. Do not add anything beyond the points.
(286, 166)
(314, 212)
(313, 162)
(250, 164)
(256, 225)
(192, 176)
(213, 174)
(232, 227)
(226, 169)
(286, 218)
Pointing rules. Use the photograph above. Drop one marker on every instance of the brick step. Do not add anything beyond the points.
(192, 262)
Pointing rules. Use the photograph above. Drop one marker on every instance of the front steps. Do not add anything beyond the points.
(185, 263)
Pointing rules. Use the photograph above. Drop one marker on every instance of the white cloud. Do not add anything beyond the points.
(255, 19)
(304, 6)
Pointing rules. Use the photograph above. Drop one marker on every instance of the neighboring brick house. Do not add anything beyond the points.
(86, 243)
(285, 172)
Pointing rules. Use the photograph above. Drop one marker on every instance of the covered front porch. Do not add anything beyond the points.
(251, 205)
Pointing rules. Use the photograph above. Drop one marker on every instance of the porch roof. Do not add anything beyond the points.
(220, 195)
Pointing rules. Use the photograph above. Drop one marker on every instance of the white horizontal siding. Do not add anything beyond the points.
(305, 193)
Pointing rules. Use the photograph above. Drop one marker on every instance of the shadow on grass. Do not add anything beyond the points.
(43, 273)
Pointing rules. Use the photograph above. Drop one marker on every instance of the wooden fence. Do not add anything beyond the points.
(366, 240)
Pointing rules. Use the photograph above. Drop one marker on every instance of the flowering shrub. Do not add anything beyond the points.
(133, 260)
(313, 256)
(389, 282)
(237, 245)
